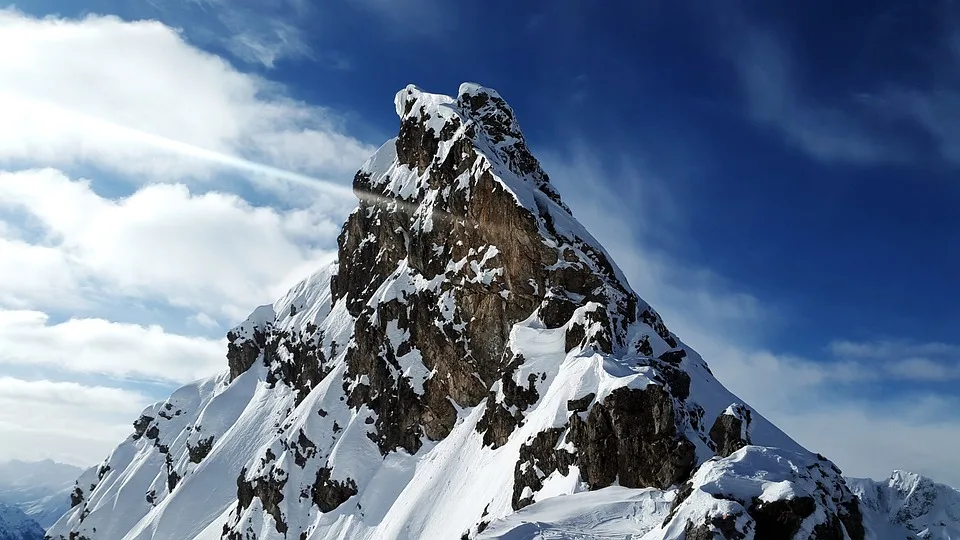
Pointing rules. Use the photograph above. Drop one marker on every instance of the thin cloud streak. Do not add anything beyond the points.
(775, 99)
(186, 149)
(192, 151)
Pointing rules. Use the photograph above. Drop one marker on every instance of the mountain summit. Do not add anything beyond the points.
(472, 362)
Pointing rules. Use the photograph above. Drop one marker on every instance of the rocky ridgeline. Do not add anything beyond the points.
(469, 310)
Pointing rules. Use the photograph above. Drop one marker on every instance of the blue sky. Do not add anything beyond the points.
(780, 181)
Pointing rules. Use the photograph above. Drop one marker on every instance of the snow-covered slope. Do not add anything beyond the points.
(613, 512)
(15, 525)
(472, 353)
(908, 505)
(40, 488)
(756, 493)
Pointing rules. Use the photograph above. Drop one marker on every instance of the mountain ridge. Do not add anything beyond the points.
(910, 504)
(16, 525)
(41, 489)
(472, 353)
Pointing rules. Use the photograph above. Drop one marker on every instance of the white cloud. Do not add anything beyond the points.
(924, 369)
(103, 91)
(107, 348)
(63, 421)
(204, 320)
(863, 128)
(135, 101)
(264, 41)
(255, 31)
(867, 441)
(211, 252)
(35, 273)
(804, 397)
(404, 18)
(887, 349)
(933, 109)
(774, 99)
(932, 361)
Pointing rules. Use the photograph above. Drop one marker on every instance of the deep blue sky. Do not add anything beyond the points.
(804, 154)
(858, 248)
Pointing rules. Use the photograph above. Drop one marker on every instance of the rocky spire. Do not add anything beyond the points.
(479, 242)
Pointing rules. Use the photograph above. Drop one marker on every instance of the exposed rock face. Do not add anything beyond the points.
(462, 233)
(731, 431)
(327, 494)
(200, 451)
(242, 353)
(632, 437)
(468, 314)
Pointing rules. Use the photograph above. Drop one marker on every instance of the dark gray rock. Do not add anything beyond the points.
(727, 431)
(242, 353)
(632, 437)
(328, 494)
(200, 451)
(581, 404)
(781, 518)
(539, 454)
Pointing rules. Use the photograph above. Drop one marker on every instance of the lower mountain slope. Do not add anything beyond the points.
(472, 355)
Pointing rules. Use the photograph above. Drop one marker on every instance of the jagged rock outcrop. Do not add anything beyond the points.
(472, 352)
(731, 430)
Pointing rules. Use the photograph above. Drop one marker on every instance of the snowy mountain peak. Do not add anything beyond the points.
(909, 505)
(472, 353)
(443, 138)
(474, 103)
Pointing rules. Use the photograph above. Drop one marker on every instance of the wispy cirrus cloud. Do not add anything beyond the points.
(886, 349)
(877, 125)
(934, 110)
(908, 360)
(775, 99)
(265, 43)
(404, 18)
(256, 32)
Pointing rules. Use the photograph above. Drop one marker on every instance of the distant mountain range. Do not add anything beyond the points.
(908, 505)
(40, 489)
(15, 525)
